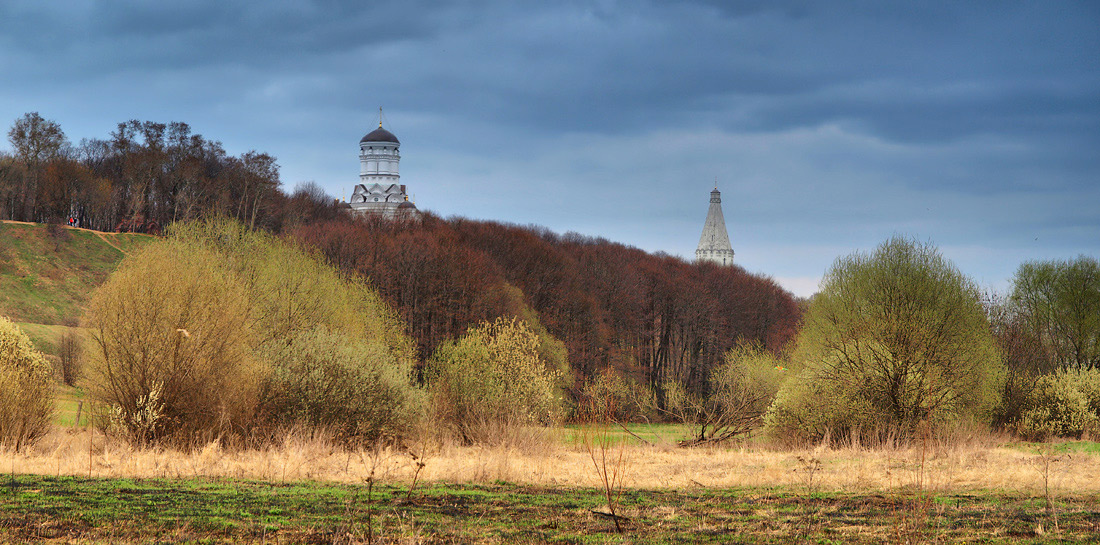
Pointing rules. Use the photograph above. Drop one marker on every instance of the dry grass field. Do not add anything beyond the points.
(77, 486)
(559, 460)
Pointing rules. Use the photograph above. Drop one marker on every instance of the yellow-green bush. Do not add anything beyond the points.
(293, 289)
(26, 388)
(491, 376)
(193, 328)
(752, 369)
(352, 387)
(738, 395)
(1062, 404)
(172, 351)
(806, 409)
(1086, 381)
(895, 338)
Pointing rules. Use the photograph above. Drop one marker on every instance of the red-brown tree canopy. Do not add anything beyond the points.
(656, 317)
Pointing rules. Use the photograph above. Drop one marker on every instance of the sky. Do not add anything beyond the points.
(828, 126)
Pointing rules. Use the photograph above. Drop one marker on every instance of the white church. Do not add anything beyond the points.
(380, 190)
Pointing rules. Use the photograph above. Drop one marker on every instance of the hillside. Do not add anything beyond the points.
(48, 273)
(651, 317)
(606, 305)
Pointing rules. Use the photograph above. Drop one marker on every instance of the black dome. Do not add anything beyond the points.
(380, 135)
(406, 205)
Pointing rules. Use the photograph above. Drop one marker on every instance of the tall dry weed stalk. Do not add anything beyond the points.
(610, 465)
(608, 459)
(810, 465)
(378, 460)
(419, 453)
(914, 509)
(1045, 458)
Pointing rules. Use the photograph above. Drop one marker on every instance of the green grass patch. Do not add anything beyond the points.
(46, 275)
(573, 434)
(72, 509)
(68, 403)
(1063, 446)
(45, 337)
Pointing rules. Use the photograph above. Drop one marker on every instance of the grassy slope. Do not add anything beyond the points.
(46, 337)
(46, 279)
(68, 404)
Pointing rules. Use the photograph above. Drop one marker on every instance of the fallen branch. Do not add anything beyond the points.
(634, 435)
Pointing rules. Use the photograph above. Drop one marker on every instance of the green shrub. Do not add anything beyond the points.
(807, 410)
(26, 389)
(492, 376)
(354, 388)
(246, 300)
(798, 413)
(172, 351)
(895, 338)
(738, 395)
(1056, 408)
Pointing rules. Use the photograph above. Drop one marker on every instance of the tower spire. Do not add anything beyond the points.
(380, 121)
(714, 244)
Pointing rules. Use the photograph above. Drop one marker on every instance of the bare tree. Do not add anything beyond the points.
(739, 393)
(36, 141)
(69, 350)
(260, 175)
(1060, 301)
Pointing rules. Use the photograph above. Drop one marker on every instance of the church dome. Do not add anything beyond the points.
(380, 135)
(406, 205)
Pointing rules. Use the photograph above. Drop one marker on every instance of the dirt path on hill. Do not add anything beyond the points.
(112, 244)
(99, 234)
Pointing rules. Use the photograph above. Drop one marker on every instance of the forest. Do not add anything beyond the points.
(653, 318)
(143, 176)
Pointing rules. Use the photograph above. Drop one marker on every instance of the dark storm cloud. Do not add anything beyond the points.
(89, 39)
(910, 76)
(830, 124)
(899, 72)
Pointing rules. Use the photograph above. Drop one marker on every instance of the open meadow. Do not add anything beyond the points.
(77, 486)
(334, 425)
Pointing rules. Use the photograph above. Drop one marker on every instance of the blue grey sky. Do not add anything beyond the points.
(830, 126)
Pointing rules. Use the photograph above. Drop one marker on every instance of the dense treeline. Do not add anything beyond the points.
(142, 177)
(653, 317)
(899, 340)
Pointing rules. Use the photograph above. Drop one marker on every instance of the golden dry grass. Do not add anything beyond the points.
(968, 467)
